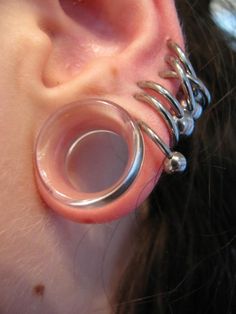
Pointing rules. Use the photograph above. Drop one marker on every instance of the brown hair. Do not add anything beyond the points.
(184, 259)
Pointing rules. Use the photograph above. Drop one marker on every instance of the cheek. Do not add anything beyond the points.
(20, 207)
(22, 212)
(28, 242)
(15, 143)
(16, 120)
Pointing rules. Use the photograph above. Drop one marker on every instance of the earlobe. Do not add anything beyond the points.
(83, 64)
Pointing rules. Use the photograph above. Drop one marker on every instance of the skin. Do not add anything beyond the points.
(53, 53)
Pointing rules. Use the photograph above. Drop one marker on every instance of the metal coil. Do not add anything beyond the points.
(182, 113)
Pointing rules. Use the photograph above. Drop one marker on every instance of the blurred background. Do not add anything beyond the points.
(225, 17)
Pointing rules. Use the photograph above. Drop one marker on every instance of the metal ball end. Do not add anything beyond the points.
(197, 112)
(177, 163)
(185, 124)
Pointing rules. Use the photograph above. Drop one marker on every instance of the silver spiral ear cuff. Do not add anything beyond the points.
(88, 153)
(183, 112)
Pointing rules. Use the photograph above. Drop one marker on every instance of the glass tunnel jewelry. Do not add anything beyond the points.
(79, 140)
(73, 136)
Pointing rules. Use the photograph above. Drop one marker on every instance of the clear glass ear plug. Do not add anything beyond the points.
(88, 153)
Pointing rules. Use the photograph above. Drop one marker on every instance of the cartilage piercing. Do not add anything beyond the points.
(182, 117)
(197, 84)
(175, 161)
(194, 98)
(175, 105)
(185, 82)
(181, 56)
(168, 118)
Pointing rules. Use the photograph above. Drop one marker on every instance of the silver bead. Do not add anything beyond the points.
(197, 111)
(177, 163)
(185, 124)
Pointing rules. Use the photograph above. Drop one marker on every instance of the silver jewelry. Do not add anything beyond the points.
(68, 177)
(180, 119)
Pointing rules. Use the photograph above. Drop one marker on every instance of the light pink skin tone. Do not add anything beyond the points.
(54, 53)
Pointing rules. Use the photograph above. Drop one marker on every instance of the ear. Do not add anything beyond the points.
(102, 48)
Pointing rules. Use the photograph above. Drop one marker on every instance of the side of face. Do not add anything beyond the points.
(54, 53)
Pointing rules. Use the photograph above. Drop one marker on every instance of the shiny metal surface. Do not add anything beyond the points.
(168, 118)
(185, 108)
(175, 105)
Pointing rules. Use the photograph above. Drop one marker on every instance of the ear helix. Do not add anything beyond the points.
(89, 153)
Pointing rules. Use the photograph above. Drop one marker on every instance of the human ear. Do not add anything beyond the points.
(101, 49)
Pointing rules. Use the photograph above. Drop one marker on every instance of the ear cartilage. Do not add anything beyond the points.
(180, 118)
